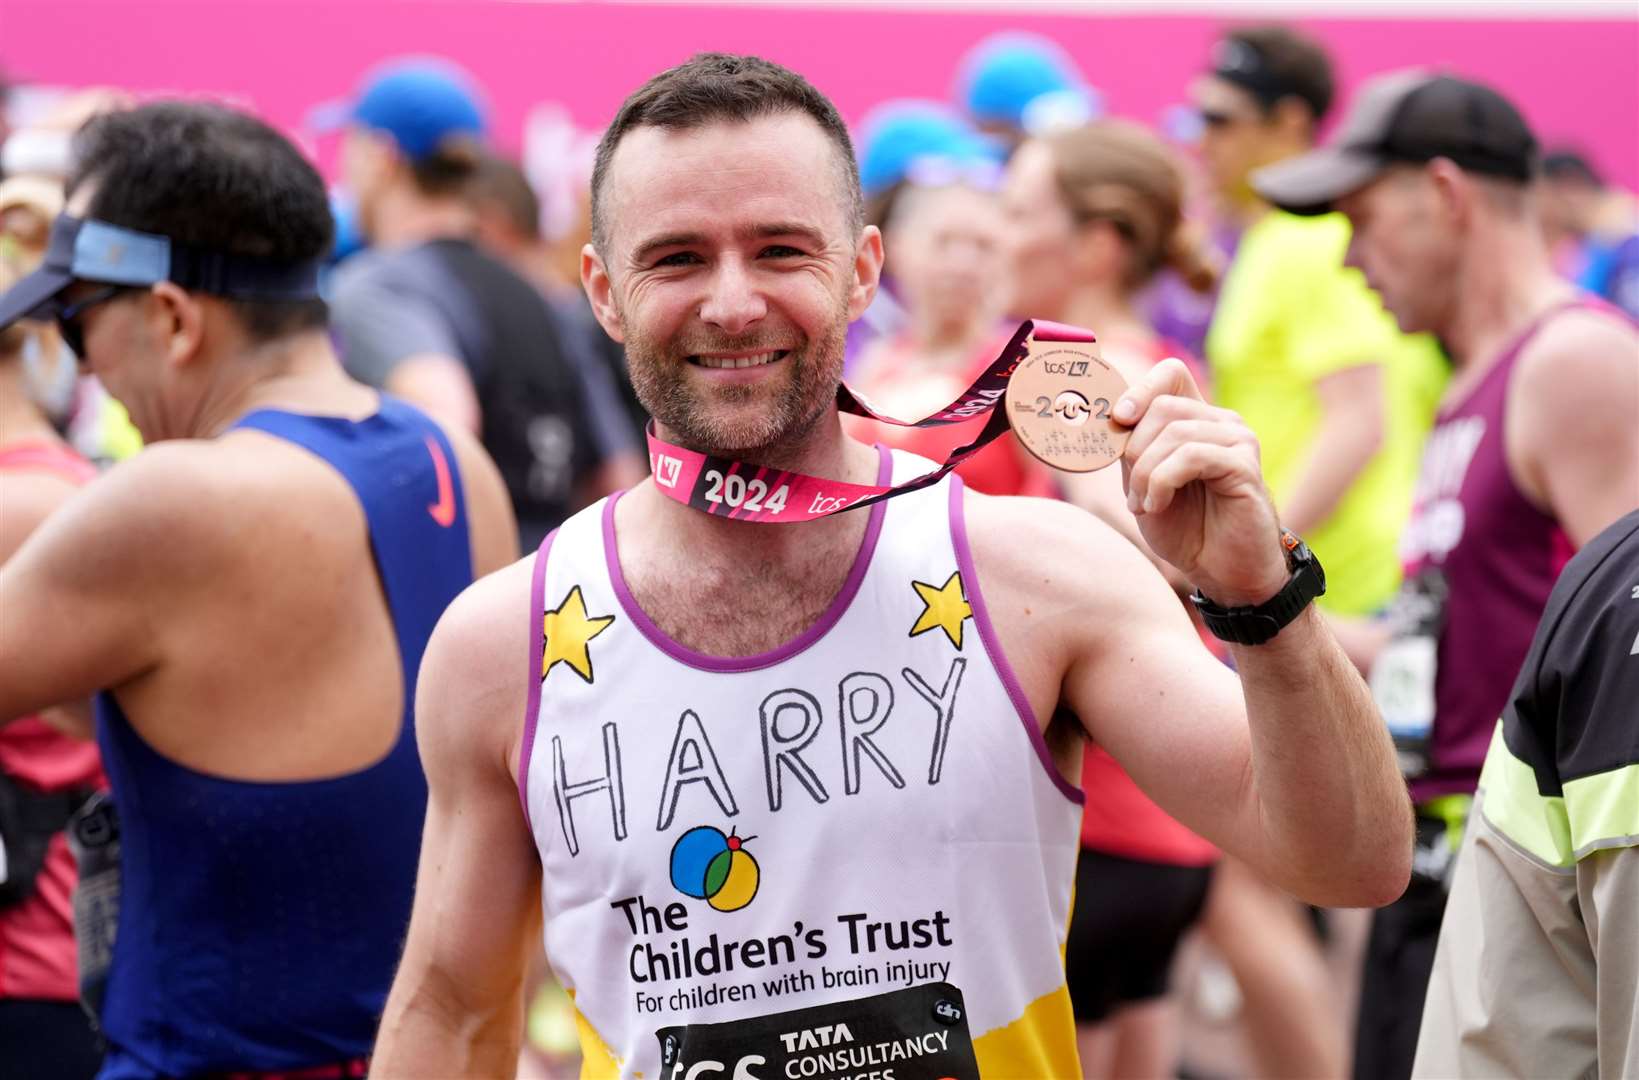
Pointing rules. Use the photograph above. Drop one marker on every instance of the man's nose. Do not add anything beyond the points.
(734, 302)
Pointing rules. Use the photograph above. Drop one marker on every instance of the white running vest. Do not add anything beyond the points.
(850, 857)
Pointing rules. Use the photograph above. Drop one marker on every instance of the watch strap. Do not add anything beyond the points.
(1254, 624)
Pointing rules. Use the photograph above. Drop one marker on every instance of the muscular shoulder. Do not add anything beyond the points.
(1573, 418)
(1578, 353)
(157, 508)
(187, 508)
(474, 679)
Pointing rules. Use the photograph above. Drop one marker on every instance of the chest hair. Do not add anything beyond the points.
(741, 610)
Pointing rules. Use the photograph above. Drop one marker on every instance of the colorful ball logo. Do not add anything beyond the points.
(715, 868)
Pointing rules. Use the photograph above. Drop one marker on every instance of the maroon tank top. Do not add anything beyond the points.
(1483, 558)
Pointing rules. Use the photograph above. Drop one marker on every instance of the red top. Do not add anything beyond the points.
(43, 455)
(1119, 819)
(37, 957)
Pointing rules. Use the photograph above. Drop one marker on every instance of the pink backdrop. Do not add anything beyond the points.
(1578, 81)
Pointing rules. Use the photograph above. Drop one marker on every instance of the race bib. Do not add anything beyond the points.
(919, 1033)
(1403, 678)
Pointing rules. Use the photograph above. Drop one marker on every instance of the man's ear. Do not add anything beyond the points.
(1294, 118)
(178, 321)
(868, 257)
(600, 290)
(1453, 190)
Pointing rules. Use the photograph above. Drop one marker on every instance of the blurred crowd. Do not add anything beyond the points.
(454, 284)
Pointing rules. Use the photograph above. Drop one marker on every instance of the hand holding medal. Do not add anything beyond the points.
(1195, 484)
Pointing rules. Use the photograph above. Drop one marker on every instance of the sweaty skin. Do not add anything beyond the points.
(739, 233)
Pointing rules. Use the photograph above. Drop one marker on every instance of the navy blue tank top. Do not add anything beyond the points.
(260, 923)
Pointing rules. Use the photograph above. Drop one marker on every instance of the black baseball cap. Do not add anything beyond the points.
(1405, 117)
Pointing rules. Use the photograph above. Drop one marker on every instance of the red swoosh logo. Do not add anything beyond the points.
(442, 511)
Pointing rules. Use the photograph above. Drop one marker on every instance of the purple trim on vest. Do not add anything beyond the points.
(537, 649)
(660, 640)
(993, 646)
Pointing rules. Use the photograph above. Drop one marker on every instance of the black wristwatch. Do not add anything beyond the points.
(1256, 624)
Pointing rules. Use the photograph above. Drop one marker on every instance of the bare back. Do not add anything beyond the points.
(280, 658)
(248, 634)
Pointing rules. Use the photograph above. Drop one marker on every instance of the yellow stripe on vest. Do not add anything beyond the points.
(1039, 1044)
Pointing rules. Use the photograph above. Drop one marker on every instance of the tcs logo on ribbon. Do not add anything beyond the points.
(715, 868)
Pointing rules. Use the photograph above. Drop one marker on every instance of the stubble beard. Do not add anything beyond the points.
(723, 420)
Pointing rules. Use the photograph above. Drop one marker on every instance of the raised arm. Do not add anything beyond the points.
(1288, 767)
(1326, 808)
(456, 1008)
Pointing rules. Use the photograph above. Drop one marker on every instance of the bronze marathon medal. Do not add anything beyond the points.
(1059, 404)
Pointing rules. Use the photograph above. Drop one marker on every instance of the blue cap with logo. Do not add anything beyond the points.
(418, 101)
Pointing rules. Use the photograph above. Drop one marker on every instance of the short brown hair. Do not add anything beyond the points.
(716, 87)
(1292, 65)
(449, 169)
(500, 183)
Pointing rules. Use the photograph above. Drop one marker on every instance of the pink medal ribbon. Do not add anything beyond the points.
(744, 492)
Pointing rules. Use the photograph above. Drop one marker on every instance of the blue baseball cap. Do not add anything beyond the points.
(897, 135)
(419, 101)
(1004, 73)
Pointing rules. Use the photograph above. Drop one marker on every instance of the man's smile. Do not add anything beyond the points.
(737, 360)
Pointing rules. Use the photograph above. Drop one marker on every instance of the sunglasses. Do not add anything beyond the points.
(68, 315)
(1218, 120)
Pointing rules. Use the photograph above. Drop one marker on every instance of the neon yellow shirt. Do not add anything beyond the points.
(1289, 315)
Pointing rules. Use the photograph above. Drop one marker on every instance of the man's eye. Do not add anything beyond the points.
(780, 251)
(679, 258)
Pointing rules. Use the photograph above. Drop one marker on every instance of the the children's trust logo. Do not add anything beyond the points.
(715, 868)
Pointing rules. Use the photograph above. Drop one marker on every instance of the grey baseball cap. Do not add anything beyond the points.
(1405, 117)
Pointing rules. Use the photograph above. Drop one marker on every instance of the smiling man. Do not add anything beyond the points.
(803, 796)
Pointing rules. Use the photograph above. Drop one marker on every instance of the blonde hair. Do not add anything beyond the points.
(1119, 172)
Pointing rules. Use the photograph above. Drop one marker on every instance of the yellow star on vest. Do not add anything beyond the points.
(568, 630)
(947, 608)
